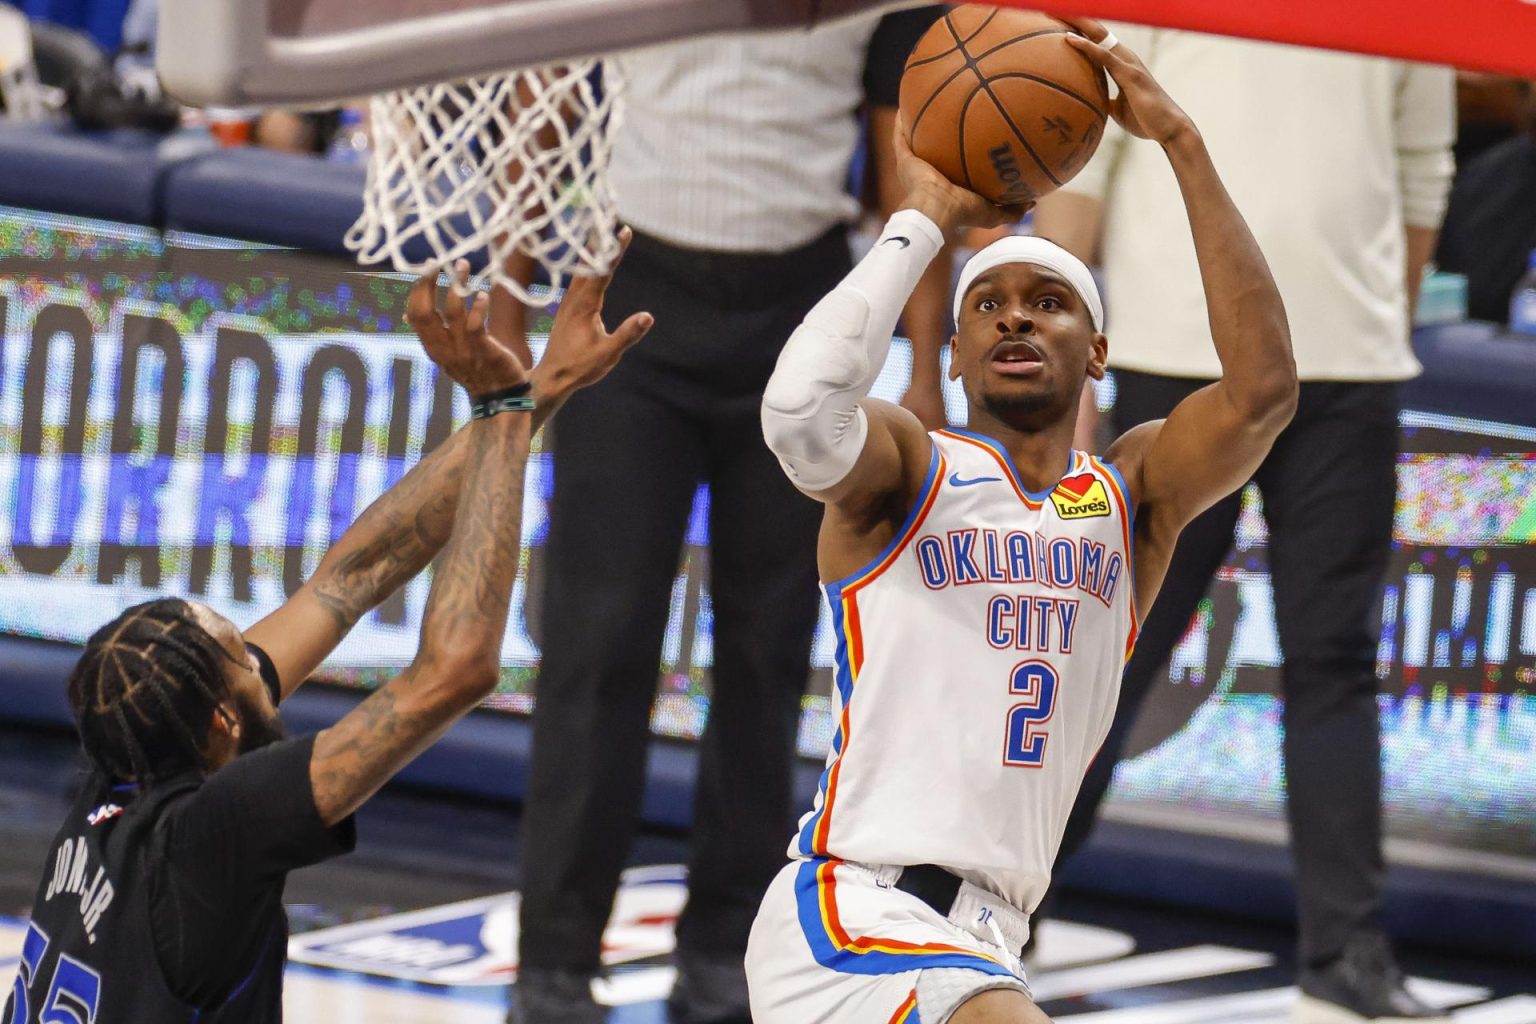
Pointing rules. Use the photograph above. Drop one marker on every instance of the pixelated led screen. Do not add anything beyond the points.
(200, 416)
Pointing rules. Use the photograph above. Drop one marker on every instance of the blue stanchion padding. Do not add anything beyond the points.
(111, 175)
(32, 680)
(259, 195)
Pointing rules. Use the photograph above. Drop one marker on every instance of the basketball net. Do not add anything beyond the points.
(511, 163)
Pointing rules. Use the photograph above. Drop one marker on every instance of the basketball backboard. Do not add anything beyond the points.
(297, 52)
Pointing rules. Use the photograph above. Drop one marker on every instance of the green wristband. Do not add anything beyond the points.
(514, 399)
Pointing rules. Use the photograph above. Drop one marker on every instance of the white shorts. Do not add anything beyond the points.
(835, 942)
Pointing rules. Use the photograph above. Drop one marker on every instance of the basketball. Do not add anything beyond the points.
(999, 102)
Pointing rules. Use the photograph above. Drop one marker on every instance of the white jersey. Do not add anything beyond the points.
(977, 670)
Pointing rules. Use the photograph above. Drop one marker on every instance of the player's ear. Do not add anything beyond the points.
(225, 723)
(954, 357)
(1098, 357)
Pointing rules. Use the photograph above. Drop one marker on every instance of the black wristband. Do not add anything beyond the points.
(513, 399)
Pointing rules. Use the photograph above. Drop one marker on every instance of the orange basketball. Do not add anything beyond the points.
(999, 102)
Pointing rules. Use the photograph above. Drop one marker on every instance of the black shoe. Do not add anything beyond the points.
(545, 996)
(709, 990)
(1362, 984)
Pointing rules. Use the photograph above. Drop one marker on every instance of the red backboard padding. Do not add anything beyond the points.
(1486, 35)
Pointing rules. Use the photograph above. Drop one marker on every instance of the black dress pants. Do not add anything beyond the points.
(683, 406)
(1329, 488)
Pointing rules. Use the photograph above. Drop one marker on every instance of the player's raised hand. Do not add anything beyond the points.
(948, 205)
(1142, 107)
(455, 336)
(581, 350)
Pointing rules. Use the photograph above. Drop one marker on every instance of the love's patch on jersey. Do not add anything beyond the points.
(1080, 497)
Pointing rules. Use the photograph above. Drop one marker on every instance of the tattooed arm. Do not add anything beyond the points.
(393, 540)
(458, 661)
(400, 533)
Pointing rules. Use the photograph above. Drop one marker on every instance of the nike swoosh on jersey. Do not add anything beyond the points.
(903, 239)
(954, 479)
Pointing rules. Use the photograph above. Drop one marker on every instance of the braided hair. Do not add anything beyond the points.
(145, 691)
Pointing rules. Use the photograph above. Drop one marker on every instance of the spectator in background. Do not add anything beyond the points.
(732, 168)
(1341, 164)
(297, 131)
(1490, 227)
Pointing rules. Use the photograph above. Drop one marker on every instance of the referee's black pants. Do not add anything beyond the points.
(682, 407)
(1329, 487)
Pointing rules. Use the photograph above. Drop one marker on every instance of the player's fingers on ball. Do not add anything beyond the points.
(1093, 28)
(1092, 50)
(899, 138)
(1005, 215)
(1016, 213)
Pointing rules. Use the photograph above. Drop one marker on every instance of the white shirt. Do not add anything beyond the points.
(742, 142)
(1327, 155)
(978, 666)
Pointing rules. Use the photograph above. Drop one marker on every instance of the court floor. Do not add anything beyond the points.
(419, 927)
(1094, 975)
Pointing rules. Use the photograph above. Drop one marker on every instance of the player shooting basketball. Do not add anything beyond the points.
(162, 897)
(985, 584)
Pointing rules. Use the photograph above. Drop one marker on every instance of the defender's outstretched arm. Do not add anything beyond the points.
(459, 659)
(398, 535)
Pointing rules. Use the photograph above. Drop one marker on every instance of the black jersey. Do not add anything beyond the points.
(164, 906)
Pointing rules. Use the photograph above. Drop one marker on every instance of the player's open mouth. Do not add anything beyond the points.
(1017, 358)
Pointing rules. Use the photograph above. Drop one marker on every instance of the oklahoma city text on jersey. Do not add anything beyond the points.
(1023, 622)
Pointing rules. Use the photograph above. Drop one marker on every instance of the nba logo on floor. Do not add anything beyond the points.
(1080, 497)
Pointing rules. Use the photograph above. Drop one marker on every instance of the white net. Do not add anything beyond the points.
(512, 163)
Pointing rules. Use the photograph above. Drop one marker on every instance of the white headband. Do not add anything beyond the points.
(1042, 253)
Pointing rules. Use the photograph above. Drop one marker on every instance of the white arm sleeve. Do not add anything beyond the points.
(811, 415)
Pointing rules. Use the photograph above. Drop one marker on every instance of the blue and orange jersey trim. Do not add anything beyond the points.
(847, 660)
(1122, 497)
(926, 496)
(848, 657)
(906, 1013)
(835, 949)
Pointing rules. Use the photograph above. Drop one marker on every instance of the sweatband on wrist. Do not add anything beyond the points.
(513, 399)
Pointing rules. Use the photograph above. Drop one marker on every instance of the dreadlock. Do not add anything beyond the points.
(145, 691)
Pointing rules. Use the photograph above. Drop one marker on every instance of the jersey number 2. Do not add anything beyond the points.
(1034, 684)
(73, 995)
